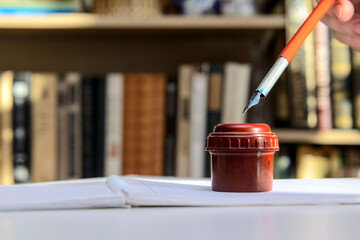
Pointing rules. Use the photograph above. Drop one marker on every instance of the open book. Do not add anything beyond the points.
(124, 192)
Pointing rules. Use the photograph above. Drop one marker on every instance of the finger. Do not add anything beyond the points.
(349, 39)
(342, 10)
(340, 27)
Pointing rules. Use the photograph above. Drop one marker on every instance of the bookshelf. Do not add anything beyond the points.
(91, 43)
(175, 22)
(102, 44)
(329, 137)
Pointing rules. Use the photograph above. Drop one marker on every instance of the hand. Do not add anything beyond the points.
(344, 20)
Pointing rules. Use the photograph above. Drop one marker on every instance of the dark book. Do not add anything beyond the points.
(63, 128)
(351, 162)
(262, 50)
(301, 70)
(100, 125)
(21, 126)
(214, 105)
(285, 162)
(73, 82)
(170, 131)
(356, 87)
(93, 126)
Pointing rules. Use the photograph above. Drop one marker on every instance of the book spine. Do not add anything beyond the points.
(340, 76)
(170, 132)
(158, 124)
(73, 82)
(322, 67)
(183, 121)
(301, 69)
(63, 128)
(44, 144)
(214, 105)
(114, 120)
(88, 126)
(93, 125)
(356, 87)
(100, 125)
(144, 121)
(6, 127)
(21, 126)
(351, 166)
(131, 84)
(236, 92)
(198, 111)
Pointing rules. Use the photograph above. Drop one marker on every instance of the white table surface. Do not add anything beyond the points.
(339, 222)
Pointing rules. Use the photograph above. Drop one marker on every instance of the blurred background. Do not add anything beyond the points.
(94, 88)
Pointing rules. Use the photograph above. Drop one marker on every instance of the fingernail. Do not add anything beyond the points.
(338, 10)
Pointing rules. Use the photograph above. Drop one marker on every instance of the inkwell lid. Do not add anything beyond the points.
(242, 137)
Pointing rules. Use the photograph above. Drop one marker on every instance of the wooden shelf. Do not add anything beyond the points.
(92, 43)
(92, 21)
(330, 137)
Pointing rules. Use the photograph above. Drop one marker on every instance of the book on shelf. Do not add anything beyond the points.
(114, 123)
(63, 128)
(183, 121)
(100, 124)
(21, 127)
(262, 50)
(93, 125)
(351, 162)
(73, 134)
(33, 7)
(216, 76)
(85, 113)
(236, 90)
(144, 120)
(44, 151)
(301, 70)
(323, 79)
(124, 192)
(356, 87)
(318, 162)
(149, 8)
(340, 76)
(170, 125)
(198, 112)
(6, 127)
(144, 124)
(150, 122)
(129, 125)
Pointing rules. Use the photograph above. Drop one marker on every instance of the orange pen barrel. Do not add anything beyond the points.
(297, 40)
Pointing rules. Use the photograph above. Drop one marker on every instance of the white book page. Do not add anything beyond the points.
(285, 192)
(59, 196)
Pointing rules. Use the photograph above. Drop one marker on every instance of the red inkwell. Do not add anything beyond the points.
(242, 157)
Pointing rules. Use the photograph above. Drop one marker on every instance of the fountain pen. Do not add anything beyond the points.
(288, 53)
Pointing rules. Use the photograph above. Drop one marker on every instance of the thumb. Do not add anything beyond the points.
(343, 10)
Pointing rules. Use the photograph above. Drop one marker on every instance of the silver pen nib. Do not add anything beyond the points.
(253, 101)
